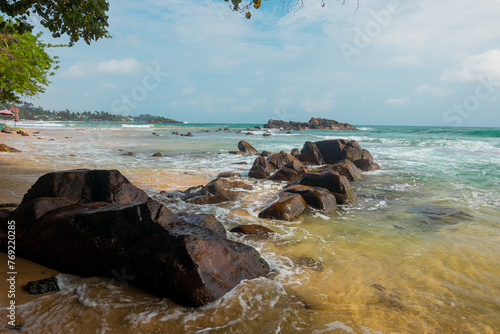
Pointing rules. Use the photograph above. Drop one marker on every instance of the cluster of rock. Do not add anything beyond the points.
(96, 223)
(323, 188)
(314, 124)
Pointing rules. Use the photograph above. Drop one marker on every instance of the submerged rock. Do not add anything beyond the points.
(94, 223)
(439, 214)
(254, 229)
(308, 262)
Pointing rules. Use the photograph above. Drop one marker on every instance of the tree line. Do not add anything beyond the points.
(28, 111)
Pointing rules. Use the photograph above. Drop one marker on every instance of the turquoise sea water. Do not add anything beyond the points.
(419, 252)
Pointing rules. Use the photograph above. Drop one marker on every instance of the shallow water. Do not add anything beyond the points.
(417, 253)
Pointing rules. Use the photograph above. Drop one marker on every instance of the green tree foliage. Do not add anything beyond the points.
(77, 19)
(24, 65)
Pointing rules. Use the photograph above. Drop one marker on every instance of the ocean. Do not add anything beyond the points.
(419, 252)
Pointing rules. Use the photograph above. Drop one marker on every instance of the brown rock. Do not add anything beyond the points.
(314, 123)
(84, 186)
(316, 197)
(265, 154)
(143, 241)
(295, 153)
(288, 207)
(366, 165)
(158, 154)
(228, 174)
(5, 148)
(348, 169)
(216, 191)
(337, 184)
(292, 171)
(309, 262)
(261, 169)
(310, 154)
(203, 220)
(336, 150)
(367, 155)
(246, 148)
(256, 230)
(281, 159)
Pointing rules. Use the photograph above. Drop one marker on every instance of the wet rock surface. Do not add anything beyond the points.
(288, 207)
(94, 223)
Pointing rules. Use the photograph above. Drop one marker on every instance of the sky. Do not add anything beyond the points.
(421, 62)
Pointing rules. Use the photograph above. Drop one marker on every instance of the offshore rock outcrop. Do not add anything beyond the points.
(314, 124)
(95, 223)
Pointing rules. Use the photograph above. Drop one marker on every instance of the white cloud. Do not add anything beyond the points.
(411, 60)
(433, 91)
(397, 102)
(245, 91)
(188, 90)
(311, 105)
(109, 85)
(471, 69)
(124, 66)
(77, 70)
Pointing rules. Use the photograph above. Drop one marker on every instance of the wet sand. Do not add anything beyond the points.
(27, 271)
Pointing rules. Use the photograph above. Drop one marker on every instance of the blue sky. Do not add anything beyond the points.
(421, 62)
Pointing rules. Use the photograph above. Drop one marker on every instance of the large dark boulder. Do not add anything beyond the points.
(85, 186)
(316, 197)
(288, 207)
(245, 147)
(310, 154)
(337, 184)
(261, 169)
(169, 255)
(336, 150)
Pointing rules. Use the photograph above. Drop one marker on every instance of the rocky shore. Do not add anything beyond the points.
(97, 223)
